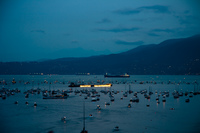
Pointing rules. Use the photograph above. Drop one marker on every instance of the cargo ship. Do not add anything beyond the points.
(117, 76)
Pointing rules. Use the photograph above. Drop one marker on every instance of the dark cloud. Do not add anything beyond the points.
(127, 11)
(128, 43)
(157, 32)
(116, 30)
(39, 31)
(153, 34)
(188, 19)
(154, 8)
(162, 30)
(105, 20)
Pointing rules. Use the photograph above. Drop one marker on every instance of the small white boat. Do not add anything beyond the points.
(125, 95)
(157, 98)
(58, 96)
(98, 99)
(94, 99)
(93, 95)
(107, 103)
(176, 96)
(3, 97)
(131, 100)
(116, 128)
(112, 99)
(190, 95)
(137, 100)
(164, 99)
(98, 107)
(187, 100)
(26, 96)
(63, 118)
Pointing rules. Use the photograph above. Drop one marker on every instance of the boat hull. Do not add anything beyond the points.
(54, 97)
(116, 76)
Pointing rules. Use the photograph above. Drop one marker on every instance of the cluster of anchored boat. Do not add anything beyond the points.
(95, 96)
(4, 92)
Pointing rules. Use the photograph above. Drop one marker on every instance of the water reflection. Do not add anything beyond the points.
(177, 100)
(163, 105)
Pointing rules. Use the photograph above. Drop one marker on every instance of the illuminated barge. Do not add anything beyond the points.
(87, 86)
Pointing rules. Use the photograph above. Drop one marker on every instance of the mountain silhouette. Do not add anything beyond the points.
(170, 57)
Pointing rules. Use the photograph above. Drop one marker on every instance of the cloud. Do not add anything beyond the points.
(128, 43)
(188, 19)
(153, 34)
(162, 30)
(116, 30)
(127, 11)
(105, 20)
(157, 32)
(154, 8)
(39, 31)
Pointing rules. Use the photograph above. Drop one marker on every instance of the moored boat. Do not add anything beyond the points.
(116, 128)
(58, 96)
(187, 100)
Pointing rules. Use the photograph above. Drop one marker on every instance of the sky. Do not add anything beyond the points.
(32, 30)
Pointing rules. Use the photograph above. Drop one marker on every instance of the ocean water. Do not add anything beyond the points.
(46, 116)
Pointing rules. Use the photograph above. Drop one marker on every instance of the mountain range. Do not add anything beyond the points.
(171, 57)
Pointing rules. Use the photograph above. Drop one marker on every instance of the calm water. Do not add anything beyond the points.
(185, 117)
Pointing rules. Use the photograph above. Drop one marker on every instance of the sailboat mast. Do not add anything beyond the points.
(84, 131)
(84, 116)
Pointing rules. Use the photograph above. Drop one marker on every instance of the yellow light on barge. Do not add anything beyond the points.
(106, 85)
(85, 85)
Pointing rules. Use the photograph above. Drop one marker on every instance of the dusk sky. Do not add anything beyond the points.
(49, 29)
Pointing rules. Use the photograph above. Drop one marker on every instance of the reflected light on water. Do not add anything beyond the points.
(163, 105)
(177, 100)
(157, 103)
